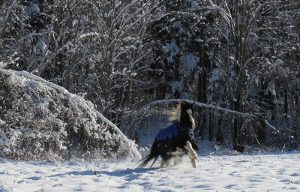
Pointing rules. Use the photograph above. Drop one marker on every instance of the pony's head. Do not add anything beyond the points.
(183, 113)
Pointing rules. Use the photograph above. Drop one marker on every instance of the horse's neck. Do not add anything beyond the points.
(185, 125)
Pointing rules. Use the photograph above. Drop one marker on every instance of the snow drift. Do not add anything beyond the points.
(41, 120)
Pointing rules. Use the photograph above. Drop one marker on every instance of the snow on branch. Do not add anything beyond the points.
(36, 78)
(2, 64)
(88, 35)
(198, 104)
(224, 12)
(272, 127)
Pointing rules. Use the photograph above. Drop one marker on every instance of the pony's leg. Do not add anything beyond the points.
(177, 160)
(162, 163)
(168, 162)
(177, 155)
(192, 154)
(165, 162)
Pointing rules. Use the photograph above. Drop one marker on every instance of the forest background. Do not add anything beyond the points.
(120, 55)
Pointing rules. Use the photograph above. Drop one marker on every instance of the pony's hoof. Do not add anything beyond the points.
(194, 163)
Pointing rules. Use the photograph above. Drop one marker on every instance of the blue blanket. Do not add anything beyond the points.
(172, 131)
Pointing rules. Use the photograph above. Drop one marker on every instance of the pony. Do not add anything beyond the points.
(176, 140)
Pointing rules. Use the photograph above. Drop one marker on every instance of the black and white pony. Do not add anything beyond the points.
(175, 140)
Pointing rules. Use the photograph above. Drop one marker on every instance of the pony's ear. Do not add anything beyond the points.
(175, 113)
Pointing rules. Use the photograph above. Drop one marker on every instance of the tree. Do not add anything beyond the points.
(247, 54)
(71, 44)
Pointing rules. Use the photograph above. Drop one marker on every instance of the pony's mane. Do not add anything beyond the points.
(175, 114)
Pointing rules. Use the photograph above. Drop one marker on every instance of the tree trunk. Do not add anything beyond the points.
(220, 135)
(239, 52)
(286, 104)
(211, 127)
(202, 97)
(238, 135)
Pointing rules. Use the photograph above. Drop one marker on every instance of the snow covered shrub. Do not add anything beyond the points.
(39, 119)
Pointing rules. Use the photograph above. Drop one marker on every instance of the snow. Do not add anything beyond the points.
(33, 77)
(172, 50)
(178, 26)
(2, 122)
(33, 10)
(271, 88)
(278, 62)
(87, 35)
(190, 61)
(194, 5)
(260, 172)
(176, 86)
(2, 65)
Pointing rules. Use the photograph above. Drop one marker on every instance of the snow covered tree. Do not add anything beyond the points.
(175, 35)
(40, 120)
(255, 35)
(90, 47)
(184, 46)
(23, 33)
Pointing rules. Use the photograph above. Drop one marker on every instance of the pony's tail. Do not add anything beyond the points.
(146, 160)
(153, 155)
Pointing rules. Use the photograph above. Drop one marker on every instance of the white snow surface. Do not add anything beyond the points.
(259, 172)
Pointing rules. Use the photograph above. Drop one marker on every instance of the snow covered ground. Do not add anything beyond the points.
(263, 172)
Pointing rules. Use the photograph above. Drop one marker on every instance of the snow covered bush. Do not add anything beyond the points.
(40, 120)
